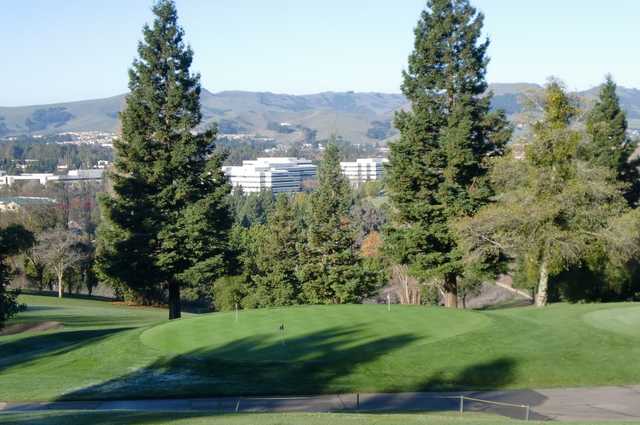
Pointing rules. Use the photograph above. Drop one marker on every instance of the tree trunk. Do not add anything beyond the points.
(175, 310)
(60, 276)
(543, 286)
(451, 290)
(407, 296)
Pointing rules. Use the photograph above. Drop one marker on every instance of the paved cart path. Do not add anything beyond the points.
(564, 404)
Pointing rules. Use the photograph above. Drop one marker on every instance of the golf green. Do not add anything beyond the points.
(302, 333)
(623, 321)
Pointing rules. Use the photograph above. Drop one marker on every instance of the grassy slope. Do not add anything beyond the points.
(99, 341)
(108, 351)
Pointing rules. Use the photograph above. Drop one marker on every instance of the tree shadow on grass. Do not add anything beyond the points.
(97, 418)
(18, 351)
(500, 371)
(442, 390)
(258, 365)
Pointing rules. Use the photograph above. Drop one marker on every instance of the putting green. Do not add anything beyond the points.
(625, 321)
(313, 333)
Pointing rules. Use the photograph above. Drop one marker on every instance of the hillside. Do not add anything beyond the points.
(359, 117)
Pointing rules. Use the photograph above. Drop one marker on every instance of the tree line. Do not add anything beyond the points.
(463, 207)
(44, 154)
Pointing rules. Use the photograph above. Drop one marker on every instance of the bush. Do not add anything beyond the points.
(227, 292)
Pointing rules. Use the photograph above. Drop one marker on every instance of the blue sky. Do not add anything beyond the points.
(61, 50)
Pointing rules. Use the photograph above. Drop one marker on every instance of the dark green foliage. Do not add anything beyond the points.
(228, 292)
(275, 261)
(350, 151)
(166, 224)
(14, 239)
(251, 208)
(41, 119)
(552, 211)
(331, 270)
(608, 144)
(45, 154)
(379, 130)
(438, 166)
(237, 152)
(231, 127)
(268, 254)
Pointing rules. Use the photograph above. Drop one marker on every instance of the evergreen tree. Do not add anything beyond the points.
(608, 144)
(331, 270)
(14, 239)
(251, 208)
(552, 210)
(437, 168)
(166, 223)
(274, 281)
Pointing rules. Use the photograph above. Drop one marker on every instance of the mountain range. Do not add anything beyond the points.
(358, 117)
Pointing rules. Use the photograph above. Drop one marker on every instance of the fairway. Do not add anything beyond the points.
(110, 351)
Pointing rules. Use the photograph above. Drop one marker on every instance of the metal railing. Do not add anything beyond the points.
(525, 407)
(461, 407)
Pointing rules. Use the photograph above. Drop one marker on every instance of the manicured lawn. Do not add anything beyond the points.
(110, 351)
(127, 418)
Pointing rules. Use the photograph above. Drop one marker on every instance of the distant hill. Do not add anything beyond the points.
(86, 115)
(359, 117)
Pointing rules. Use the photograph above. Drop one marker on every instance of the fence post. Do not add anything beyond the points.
(527, 413)
(357, 401)
(461, 404)
(238, 406)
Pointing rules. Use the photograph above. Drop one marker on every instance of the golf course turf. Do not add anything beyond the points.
(109, 351)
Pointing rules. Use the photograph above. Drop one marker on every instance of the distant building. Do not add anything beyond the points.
(363, 170)
(275, 174)
(91, 174)
(44, 178)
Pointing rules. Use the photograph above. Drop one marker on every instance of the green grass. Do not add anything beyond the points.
(107, 351)
(202, 418)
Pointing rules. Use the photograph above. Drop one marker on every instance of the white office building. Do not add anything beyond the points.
(277, 174)
(363, 170)
(44, 178)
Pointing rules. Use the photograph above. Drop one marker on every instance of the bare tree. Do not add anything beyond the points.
(406, 287)
(60, 250)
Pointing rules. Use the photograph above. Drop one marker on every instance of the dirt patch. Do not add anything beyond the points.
(30, 327)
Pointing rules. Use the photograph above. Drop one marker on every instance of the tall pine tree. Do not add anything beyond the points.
(166, 221)
(608, 144)
(437, 168)
(331, 270)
